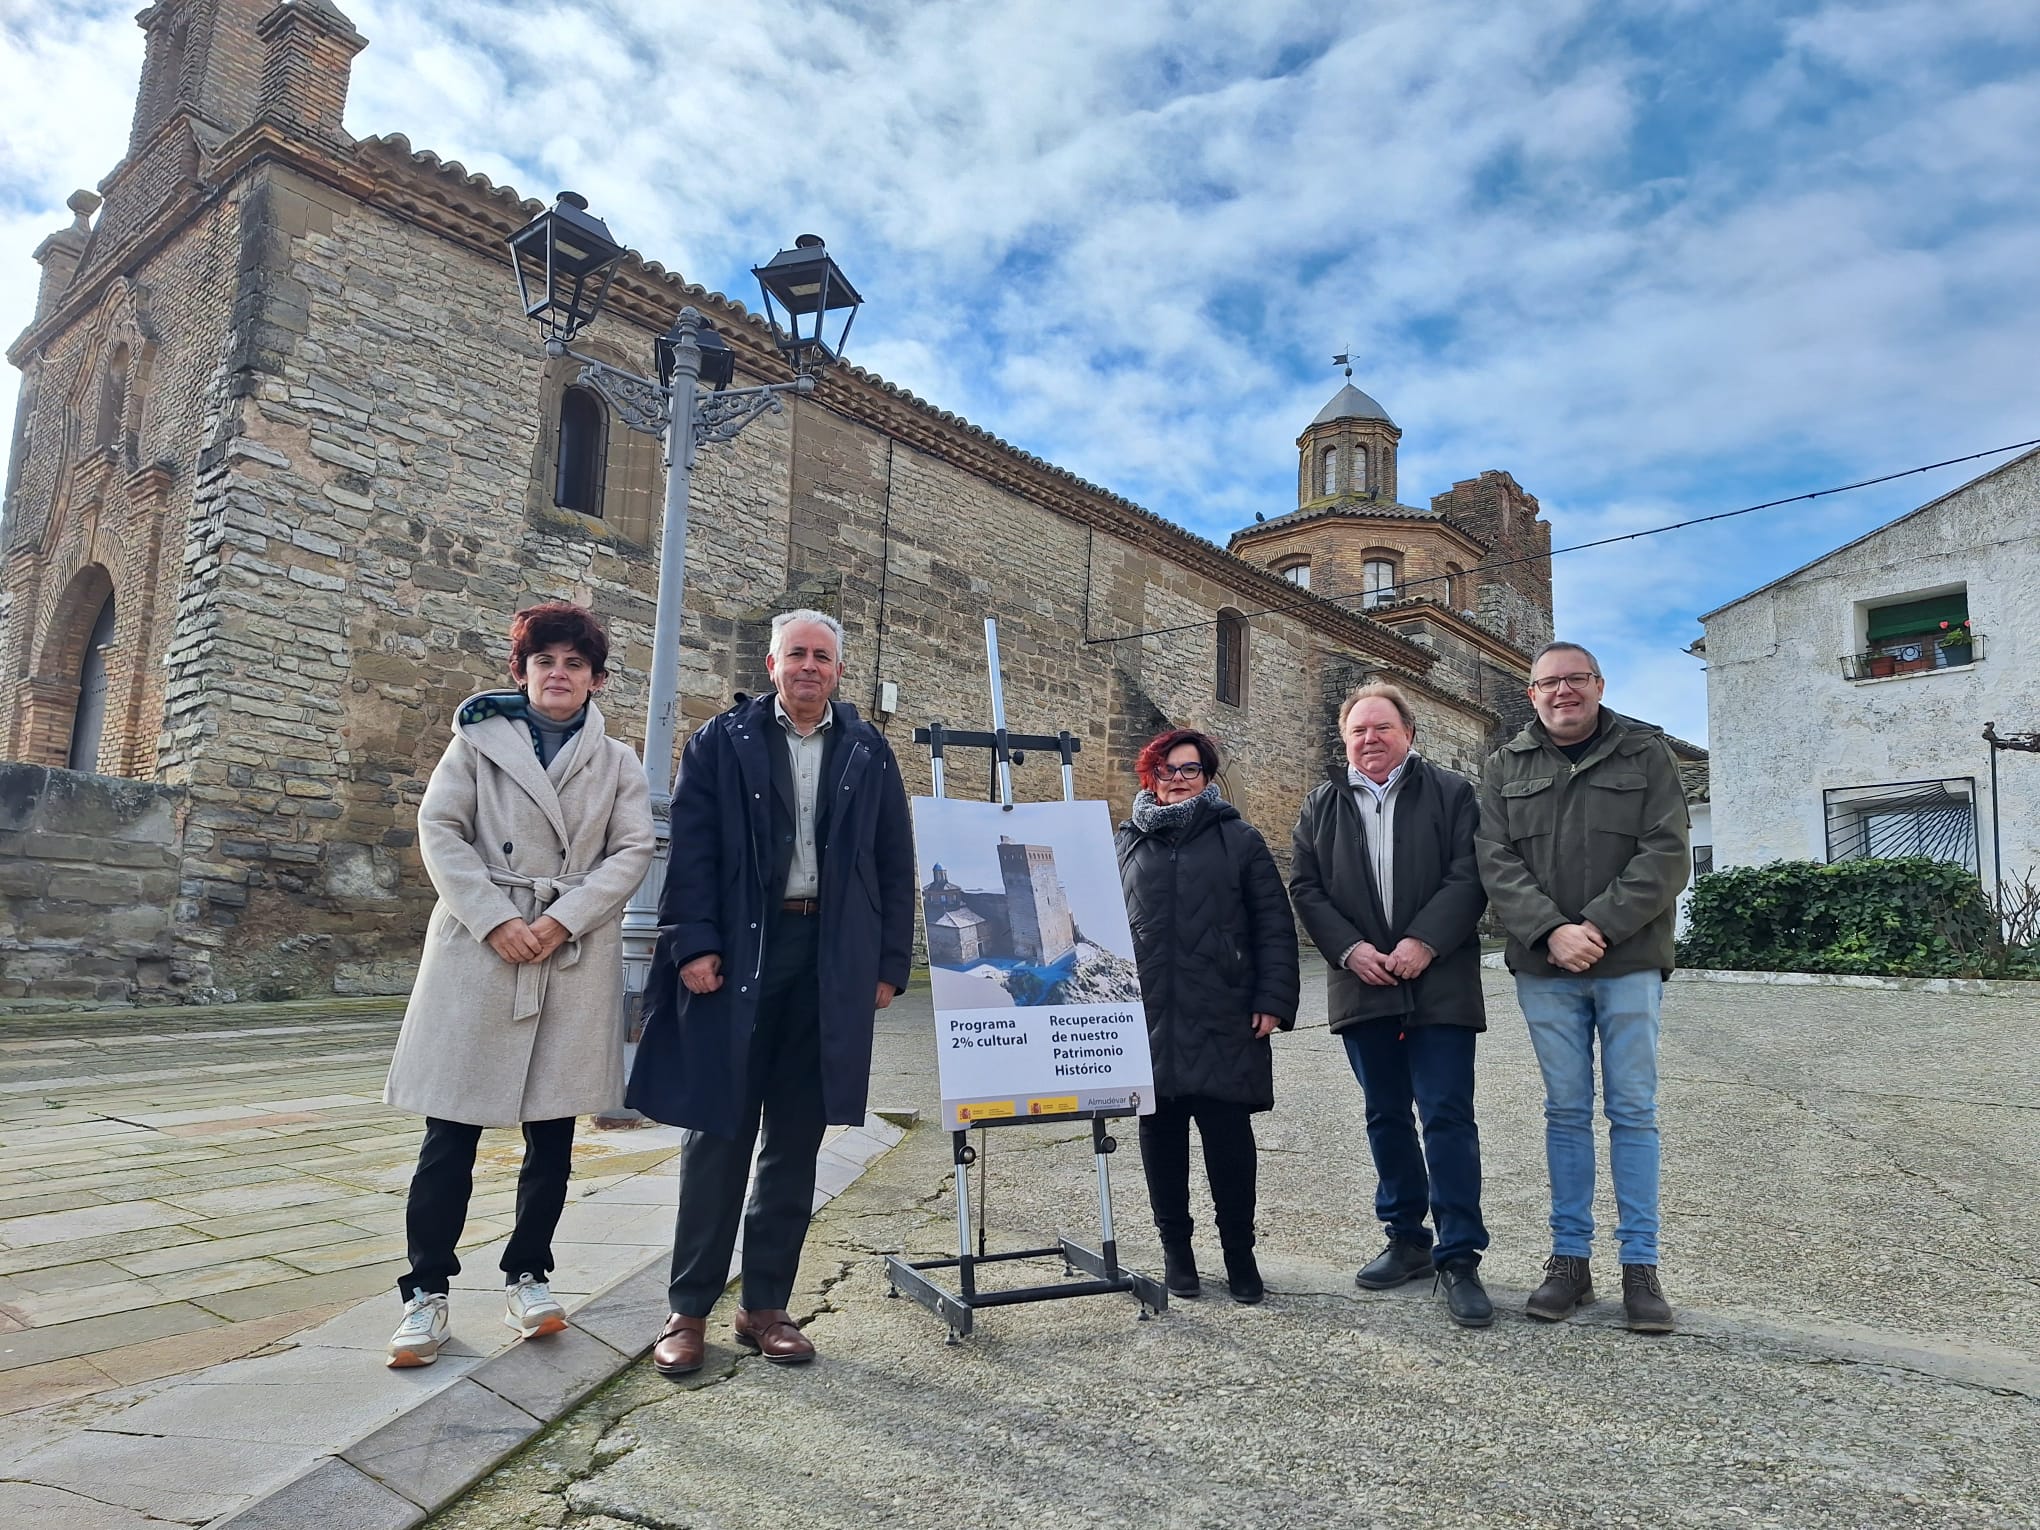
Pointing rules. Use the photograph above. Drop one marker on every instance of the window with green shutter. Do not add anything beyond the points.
(1918, 618)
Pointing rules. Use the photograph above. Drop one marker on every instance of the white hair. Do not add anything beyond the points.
(787, 619)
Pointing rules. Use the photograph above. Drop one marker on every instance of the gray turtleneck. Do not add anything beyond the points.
(552, 736)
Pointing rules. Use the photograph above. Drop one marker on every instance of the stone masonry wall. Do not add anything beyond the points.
(88, 877)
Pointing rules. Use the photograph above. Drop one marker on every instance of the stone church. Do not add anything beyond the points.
(288, 459)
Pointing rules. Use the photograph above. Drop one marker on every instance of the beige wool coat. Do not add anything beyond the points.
(491, 1042)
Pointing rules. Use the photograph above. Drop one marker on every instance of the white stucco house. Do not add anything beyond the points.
(1846, 701)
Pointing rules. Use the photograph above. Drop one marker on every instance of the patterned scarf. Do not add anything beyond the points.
(1152, 817)
(516, 706)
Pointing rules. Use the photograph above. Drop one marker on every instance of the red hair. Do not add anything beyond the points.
(537, 628)
(1162, 745)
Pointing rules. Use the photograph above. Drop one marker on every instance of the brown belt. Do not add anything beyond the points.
(800, 905)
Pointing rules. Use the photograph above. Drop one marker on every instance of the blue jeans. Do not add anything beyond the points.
(1430, 1068)
(1568, 1017)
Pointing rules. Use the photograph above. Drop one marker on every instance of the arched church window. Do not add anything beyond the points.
(1377, 583)
(90, 718)
(113, 386)
(1359, 470)
(1232, 657)
(1328, 471)
(1297, 573)
(1455, 587)
(583, 444)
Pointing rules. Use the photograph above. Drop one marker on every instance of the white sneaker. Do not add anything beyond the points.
(424, 1329)
(532, 1309)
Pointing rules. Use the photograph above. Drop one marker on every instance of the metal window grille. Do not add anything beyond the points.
(1936, 819)
(1232, 656)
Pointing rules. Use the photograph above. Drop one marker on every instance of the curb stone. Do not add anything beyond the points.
(401, 1474)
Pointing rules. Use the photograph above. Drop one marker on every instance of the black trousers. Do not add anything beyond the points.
(438, 1206)
(1227, 1131)
(783, 1081)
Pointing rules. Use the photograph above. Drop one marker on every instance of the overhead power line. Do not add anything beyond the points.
(1627, 536)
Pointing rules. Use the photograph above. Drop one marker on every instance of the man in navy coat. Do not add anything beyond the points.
(786, 922)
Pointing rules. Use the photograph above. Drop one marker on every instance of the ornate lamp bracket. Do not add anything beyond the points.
(638, 401)
(645, 405)
(722, 416)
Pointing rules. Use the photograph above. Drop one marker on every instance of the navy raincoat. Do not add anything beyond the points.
(732, 844)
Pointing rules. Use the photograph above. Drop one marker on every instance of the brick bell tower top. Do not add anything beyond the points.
(1347, 451)
(225, 63)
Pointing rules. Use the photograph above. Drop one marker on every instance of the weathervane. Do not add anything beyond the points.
(1345, 359)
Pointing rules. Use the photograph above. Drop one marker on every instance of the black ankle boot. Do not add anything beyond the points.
(1179, 1269)
(1243, 1276)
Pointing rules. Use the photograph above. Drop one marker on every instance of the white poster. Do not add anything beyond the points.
(1038, 1009)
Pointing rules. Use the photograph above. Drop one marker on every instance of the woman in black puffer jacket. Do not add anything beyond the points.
(1217, 950)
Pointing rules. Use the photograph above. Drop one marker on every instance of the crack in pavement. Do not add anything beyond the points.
(104, 1503)
(1873, 1149)
(1868, 1094)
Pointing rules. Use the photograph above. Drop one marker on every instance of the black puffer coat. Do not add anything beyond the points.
(1216, 945)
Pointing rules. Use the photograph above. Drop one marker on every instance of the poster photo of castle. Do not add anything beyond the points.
(1022, 908)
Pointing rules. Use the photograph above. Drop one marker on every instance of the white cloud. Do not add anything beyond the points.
(1656, 261)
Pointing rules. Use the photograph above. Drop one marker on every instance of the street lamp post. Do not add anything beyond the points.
(565, 261)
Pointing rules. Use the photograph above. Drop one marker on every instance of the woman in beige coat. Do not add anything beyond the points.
(536, 827)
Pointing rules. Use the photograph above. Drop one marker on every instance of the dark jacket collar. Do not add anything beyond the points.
(1628, 732)
(757, 711)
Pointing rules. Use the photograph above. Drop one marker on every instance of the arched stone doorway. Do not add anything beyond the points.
(61, 730)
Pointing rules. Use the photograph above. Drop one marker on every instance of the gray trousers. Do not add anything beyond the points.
(783, 1081)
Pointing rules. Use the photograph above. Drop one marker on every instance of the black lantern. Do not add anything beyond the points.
(718, 361)
(809, 286)
(565, 260)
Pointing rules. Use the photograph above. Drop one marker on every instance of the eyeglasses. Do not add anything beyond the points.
(1188, 772)
(1551, 683)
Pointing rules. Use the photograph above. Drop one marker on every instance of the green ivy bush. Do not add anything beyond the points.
(1902, 917)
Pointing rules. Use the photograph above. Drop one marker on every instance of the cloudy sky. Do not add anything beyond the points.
(1657, 260)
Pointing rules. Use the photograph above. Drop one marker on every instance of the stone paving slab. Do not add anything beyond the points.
(179, 1479)
(334, 1493)
(435, 1449)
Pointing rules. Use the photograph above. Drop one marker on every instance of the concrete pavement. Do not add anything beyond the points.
(1851, 1240)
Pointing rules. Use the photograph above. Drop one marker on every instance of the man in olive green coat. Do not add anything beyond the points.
(1583, 848)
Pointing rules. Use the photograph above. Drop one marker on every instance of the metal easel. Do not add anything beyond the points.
(1102, 1264)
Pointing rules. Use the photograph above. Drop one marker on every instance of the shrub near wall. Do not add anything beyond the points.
(1908, 917)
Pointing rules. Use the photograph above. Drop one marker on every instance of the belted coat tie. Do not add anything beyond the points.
(491, 1042)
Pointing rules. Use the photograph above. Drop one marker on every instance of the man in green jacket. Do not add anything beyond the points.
(1583, 848)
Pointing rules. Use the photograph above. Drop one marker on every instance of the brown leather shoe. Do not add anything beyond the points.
(774, 1335)
(681, 1347)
